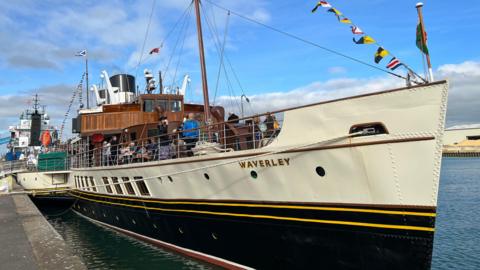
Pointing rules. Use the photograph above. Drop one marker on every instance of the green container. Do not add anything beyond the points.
(54, 161)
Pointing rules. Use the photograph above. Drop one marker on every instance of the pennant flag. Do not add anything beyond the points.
(81, 53)
(324, 4)
(336, 12)
(365, 40)
(380, 54)
(154, 50)
(356, 30)
(345, 20)
(421, 40)
(394, 63)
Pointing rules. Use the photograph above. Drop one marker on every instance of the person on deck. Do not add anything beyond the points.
(164, 139)
(106, 153)
(190, 133)
(113, 150)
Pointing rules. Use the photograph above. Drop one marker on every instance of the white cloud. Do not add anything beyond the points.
(337, 70)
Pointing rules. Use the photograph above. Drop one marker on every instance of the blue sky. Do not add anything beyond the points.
(40, 38)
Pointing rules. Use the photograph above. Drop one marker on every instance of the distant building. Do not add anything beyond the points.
(455, 136)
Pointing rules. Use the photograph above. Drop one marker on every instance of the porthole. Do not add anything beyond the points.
(254, 174)
(170, 179)
(104, 215)
(93, 212)
(117, 218)
(206, 176)
(160, 179)
(320, 171)
(133, 221)
(180, 230)
(214, 236)
(155, 226)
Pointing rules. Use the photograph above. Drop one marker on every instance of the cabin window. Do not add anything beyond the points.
(162, 104)
(142, 187)
(87, 187)
(92, 182)
(82, 184)
(107, 185)
(175, 105)
(148, 105)
(128, 186)
(117, 186)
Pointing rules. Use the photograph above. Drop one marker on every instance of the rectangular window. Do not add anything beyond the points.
(175, 105)
(93, 184)
(128, 186)
(75, 178)
(87, 185)
(117, 186)
(148, 105)
(82, 184)
(107, 185)
(142, 187)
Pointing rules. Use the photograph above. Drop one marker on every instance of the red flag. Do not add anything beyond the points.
(155, 50)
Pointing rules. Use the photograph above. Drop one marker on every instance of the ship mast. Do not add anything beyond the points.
(206, 104)
(35, 103)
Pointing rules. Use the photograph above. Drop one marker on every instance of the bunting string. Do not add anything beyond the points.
(72, 100)
(381, 52)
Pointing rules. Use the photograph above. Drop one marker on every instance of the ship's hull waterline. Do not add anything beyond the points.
(311, 198)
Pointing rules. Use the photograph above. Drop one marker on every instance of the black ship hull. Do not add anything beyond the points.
(273, 236)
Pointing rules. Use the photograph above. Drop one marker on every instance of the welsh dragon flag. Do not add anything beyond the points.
(421, 42)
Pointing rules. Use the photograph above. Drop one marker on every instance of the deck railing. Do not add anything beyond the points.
(9, 167)
(236, 135)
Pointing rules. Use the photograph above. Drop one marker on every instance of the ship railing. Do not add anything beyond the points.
(234, 135)
(48, 165)
(14, 166)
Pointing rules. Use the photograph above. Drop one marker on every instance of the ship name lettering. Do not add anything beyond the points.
(264, 163)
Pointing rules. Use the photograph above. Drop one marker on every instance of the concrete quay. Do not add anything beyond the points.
(28, 241)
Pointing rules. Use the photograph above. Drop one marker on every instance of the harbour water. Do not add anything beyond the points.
(456, 245)
(457, 237)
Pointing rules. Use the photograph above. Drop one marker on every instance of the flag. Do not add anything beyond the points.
(394, 63)
(345, 20)
(356, 30)
(336, 12)
(365, 40)
(154, 50)
(81, 53)
(421, 39)
(380, 54)
(324, 4)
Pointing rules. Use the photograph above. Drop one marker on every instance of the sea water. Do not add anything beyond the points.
(457, 232)
(456, 245)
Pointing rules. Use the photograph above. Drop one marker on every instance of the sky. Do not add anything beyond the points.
(39, 40)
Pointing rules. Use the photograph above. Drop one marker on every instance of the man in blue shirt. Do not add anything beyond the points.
(190, 133)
